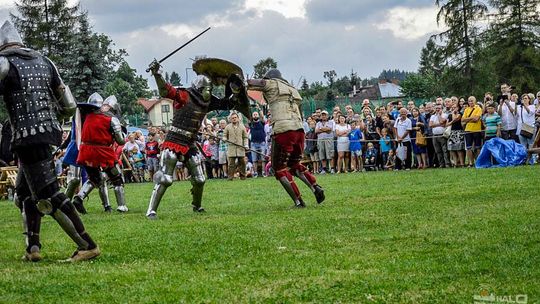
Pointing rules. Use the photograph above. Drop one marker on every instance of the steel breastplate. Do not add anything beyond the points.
(30, 106)
(188, 119)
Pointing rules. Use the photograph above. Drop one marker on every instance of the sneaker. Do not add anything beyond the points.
(332, 171)
(78, 204)
(122, 209)
(152, 216)
(84, 255)
(323, 172)
(107, 209)
(33, 255)
(319, 194)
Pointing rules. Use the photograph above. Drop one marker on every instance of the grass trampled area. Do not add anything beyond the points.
(434, 236)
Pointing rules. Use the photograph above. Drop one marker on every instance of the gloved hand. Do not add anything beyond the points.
(154, 67)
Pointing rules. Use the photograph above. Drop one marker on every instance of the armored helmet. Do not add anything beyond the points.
(9, 36)
(95, 100)
(203, 85)
(273, 73)
(112, 102)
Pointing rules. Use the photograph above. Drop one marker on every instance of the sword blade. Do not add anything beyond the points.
(183, 45)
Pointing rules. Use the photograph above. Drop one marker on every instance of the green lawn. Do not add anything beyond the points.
(434, 236)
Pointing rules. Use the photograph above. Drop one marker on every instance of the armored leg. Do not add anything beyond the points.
(194, 165)
(115, 176)
(78, 199)
(31, 218)
(305, 176)
(163, 178)
(41, 180)
(280, 158)
(286, 180)
(104, 196)
(73, 180)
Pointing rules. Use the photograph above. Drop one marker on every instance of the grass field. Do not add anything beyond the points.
(435, 236)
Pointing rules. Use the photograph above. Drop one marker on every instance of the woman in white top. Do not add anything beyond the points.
(525, 113)
(342, 130)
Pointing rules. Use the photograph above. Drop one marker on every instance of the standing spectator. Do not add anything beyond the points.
(258, 142)
(388, 124)
(447, 108)
(236, 135)
(311, 146)
(222, 149)
(325, 144)
(131, 145)
(456, 141)
(437, 123)
(152, 152)
(385, 144)
(418, 124)
(526, 115)
(355, 138)
(342, 130)
(402, 128)
(507, 112)
(432, 159)
(410, 106)
(213, 149)
(492, 121)
(473, 129)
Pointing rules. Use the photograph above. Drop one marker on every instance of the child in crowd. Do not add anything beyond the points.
(213, 148)
(355, 138)
(493, 122)
(180, 174)
(249, 168)
(371, 156)
(385, 144)
(152, 152)
(137, 164)
(391, 161)
(311, 147)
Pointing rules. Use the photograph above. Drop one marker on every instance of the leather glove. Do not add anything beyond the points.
(155, 67)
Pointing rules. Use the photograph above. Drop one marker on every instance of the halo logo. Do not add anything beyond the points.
(485, 295)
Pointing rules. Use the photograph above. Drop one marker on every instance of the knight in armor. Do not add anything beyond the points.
(288, 136)
(72, 151)
(36, 100)
(191, 106)
(101, 129)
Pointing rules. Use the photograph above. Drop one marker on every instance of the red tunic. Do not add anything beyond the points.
(180, 97)
(96, 148)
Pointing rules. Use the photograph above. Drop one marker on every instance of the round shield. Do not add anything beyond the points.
(218, 70)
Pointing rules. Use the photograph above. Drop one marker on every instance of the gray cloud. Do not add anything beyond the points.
(354, 10)
(339, 35)
(128, 15)
(300, 47)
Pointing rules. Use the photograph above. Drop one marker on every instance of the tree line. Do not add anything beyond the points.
(484, 44)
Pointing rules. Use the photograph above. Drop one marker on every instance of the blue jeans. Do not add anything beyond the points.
(258, 147)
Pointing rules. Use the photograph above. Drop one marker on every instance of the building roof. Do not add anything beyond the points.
(256, 96)
(148, 104)
(389, 90)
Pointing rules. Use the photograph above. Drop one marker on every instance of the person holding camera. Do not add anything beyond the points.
(526, 128)
(507, 112)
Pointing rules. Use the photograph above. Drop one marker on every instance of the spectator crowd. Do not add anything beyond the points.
(443, 133)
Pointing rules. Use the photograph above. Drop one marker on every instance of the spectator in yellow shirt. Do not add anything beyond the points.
(473, 129)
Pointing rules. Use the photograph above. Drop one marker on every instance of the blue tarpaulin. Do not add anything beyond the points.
(498, 152)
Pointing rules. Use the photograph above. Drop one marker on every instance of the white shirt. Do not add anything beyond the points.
(508, 120)
(435, 119)
(528, 118)
(339, 128)
(402, 127)
(129, 146)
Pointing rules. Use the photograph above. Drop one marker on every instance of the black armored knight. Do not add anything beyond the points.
(36, 100)
(192, 104)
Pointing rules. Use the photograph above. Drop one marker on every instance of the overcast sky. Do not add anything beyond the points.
(305, 37)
